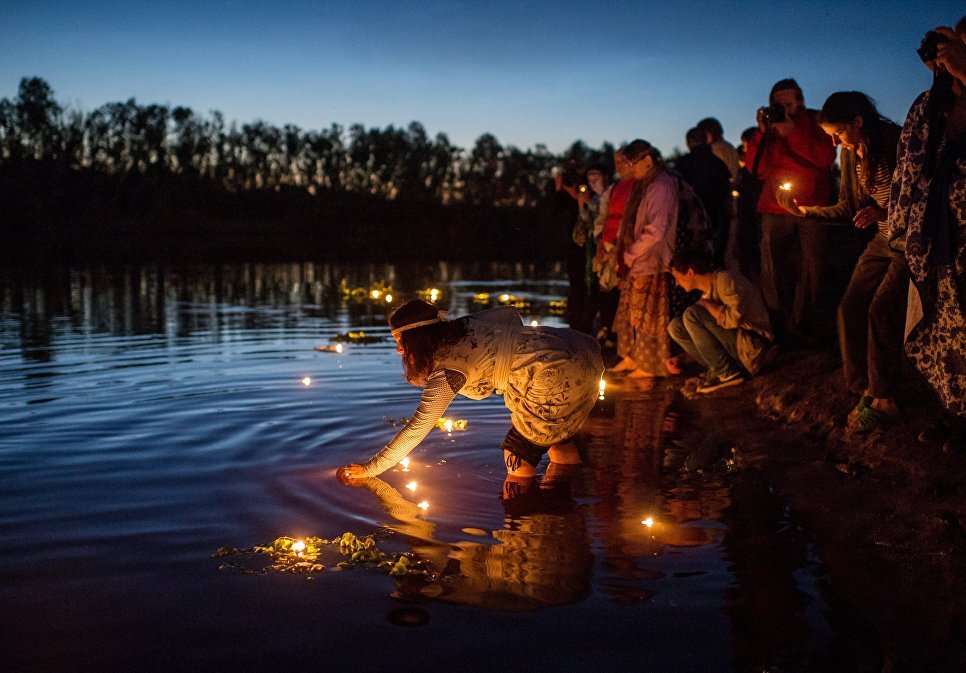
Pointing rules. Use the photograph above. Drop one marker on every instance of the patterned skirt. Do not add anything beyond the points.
(641, 323)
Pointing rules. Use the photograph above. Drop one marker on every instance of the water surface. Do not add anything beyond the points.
(150, 415)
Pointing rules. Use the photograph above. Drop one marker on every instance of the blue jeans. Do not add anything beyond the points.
(700, 335)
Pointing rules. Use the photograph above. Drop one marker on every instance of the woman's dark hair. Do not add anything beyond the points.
(712, 126)
(636, 150)
(881, 133)
(697, 257)
(421, 343)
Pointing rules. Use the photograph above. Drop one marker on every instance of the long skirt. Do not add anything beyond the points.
(641, 323)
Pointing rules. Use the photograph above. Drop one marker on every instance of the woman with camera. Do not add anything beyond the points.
(928, 204)
(871, 313)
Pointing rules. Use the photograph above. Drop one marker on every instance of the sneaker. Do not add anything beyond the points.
(714, 383)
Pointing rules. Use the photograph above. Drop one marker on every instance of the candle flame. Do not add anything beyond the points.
(423, 505)
(338, 348)
(735, 193)
(649, 522)
(388, 298)
(375, 294)
(448, 424)
(411, 486)
(404, 462)
(786, 186)
(504, 297)
(306, 381)
(433, 295)
(298, 546)
(534, 323)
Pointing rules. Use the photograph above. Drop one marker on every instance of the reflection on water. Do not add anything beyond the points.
(150, 415)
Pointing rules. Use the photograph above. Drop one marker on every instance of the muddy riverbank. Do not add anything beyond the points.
(886, 511)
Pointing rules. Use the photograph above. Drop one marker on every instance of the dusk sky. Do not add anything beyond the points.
(528, 72)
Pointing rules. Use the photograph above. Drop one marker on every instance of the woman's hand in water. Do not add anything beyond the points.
(350, 472)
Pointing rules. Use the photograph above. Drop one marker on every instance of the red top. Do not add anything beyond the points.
(615, 210)
(802, 159)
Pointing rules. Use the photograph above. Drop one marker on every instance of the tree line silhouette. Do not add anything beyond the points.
(127, 171)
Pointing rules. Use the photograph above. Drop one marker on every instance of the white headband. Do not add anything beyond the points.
(440, 315)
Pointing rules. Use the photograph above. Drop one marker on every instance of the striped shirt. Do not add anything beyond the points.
(881, 188)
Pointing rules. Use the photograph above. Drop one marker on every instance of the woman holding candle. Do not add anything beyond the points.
(548, 378)
(872, 311)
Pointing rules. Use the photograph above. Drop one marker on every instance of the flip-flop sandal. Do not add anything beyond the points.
(862, 405)
(869, 419)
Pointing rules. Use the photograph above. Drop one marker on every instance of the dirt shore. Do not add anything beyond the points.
(887, 511)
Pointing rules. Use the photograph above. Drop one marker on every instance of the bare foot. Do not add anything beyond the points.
(625, 365)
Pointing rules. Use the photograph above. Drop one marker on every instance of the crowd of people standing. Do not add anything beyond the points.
(722, 256)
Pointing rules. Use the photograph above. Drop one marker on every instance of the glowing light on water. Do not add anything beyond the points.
(448, 424)
(423, 505)
(306, 381)
(534, 323)
(405, 463)
(649, 522)
(411, 486)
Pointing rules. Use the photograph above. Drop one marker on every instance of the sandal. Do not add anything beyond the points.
(862, 405)
(870, 419)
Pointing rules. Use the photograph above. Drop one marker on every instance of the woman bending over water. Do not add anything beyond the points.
(548, 377)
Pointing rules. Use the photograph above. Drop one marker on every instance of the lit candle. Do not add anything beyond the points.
(649, 522)
(375, 294)
(411, 486)
(338, 348)
(423, 505)
(298, 546)
(601, 387)
(786, 186)
(433, 295)
(388, 298)
(504, 297)
(735, 193)
(306, 381)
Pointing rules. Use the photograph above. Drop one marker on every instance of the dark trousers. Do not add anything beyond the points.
(792, 253)
(871, 318)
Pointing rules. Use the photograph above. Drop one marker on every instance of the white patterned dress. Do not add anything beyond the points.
(548, 377)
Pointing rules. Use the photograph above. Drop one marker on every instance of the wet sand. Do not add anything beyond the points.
(886, 512)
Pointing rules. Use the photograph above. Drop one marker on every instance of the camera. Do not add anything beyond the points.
(927, 50)
(773, 114)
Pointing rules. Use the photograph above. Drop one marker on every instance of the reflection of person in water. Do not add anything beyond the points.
(548, 378)
(541, 558)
